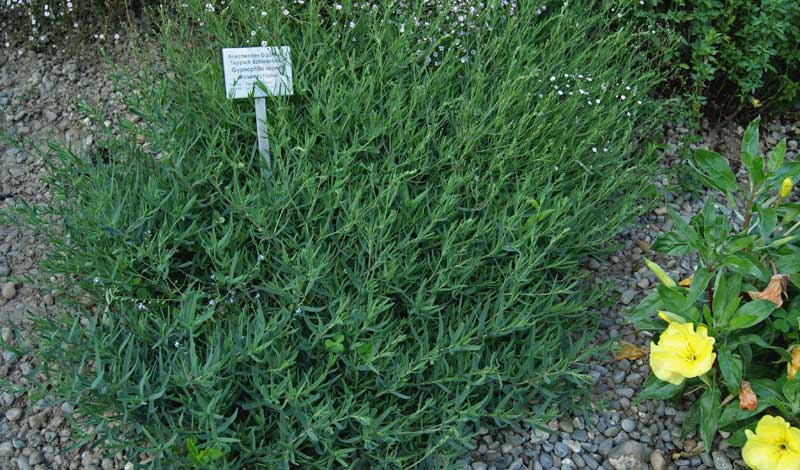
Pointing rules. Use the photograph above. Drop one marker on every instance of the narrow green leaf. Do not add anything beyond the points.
(730, 365)
(750, 139)
(726, 296)
(716, 170)
(709, 414)
(656, 389)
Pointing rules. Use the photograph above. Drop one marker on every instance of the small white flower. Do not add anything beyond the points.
(352, 24)
(338, 6)
(140, 306)
(594, 149)
(258, 295)
(177, 344)
(285, 12)
(95, 280)
(622, 97)
(212, 302)
(260, 258)
(263, 13)
(552, 78)
(263, 43)
(252, 33)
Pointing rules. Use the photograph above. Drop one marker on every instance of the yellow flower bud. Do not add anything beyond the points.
(660, 273)
(682, 353)
(794, 365)
(775, 445)
(786, 187)
(669, 317)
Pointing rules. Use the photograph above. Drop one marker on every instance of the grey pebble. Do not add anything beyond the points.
(611, 431)
(628, 425)
(9, 290)
(561, 449)
(13, 414)
(721, 461)
(6, 449)
(626, 392)
(630, 455)
(627, 296)
(23, 463)
(605, 446)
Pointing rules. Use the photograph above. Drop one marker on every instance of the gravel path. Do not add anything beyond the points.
(38, 93)
(37, 96)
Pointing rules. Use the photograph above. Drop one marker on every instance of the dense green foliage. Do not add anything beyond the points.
(406, 269)
(730, 54)
(744, 292)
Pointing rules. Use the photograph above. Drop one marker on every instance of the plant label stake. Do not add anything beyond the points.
(258, 72)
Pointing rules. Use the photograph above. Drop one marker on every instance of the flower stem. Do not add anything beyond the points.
(748, 211)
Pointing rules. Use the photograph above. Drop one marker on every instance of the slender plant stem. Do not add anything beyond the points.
(749, 211)
(710, 290)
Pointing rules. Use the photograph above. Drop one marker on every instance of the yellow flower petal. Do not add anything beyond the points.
(682, 353)
(761, 455)
(789, 461)
(774, 445)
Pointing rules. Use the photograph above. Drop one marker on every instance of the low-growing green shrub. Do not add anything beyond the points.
(742, 300)
(728, 54)
(406, 270)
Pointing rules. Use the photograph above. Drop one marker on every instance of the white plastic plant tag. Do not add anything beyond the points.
(262, 71)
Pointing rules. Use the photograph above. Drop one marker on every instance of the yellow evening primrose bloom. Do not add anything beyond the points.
(682, 353)
(774, 446)
(786, 187)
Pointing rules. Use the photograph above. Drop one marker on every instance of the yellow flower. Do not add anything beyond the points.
(786, 187)
(681, 353)
(775, 445)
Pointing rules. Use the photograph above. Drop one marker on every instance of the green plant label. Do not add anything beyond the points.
(257, 71)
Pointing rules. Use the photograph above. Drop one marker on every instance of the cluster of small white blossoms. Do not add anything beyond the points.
(594, 93)
(42, 19)
(462, 20)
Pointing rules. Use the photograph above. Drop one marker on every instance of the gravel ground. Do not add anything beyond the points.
(37, 96)
(38, 93)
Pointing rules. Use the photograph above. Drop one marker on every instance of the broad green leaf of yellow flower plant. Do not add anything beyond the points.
(682, 353)
(775, 445)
